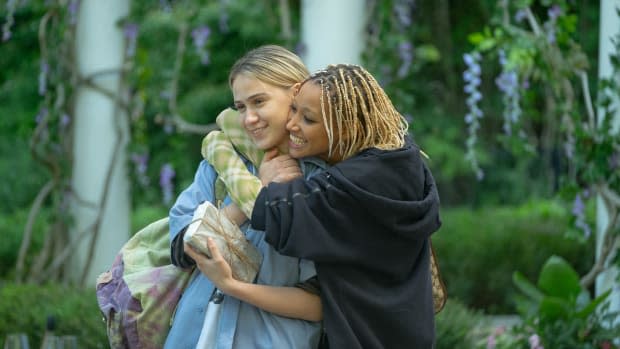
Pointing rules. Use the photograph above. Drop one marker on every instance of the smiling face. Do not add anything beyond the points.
(306, 125)
(263, 109)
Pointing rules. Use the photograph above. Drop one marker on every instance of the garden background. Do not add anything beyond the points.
(492, 90)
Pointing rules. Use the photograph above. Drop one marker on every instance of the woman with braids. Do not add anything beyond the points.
(366, 221)
(281, 309)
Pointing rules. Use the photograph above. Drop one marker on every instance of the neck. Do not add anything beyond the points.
(283, 148)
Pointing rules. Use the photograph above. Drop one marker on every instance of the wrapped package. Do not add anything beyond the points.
(243, 257)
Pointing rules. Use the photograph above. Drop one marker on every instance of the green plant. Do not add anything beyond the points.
(456, 325)
(25, 308)
(558, 313)
(543, 67)
(478, 256)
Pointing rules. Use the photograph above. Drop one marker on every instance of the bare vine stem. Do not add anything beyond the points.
(179, 122)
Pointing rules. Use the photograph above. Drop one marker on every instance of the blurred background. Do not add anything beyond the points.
(104, 106)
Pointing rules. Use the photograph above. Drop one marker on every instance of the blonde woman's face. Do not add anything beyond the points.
(263, 109)
(308, 136)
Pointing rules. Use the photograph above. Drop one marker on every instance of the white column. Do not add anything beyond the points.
(100, 126)
(609, 28)
(332, 32)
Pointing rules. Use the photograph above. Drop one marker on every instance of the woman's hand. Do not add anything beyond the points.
(215, 268)
(278, 168)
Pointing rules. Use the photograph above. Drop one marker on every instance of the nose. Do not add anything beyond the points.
(250, 117)
(291, 123)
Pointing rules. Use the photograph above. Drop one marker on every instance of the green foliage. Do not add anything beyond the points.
(456, 326)
(478, 250)
(144, 215)
(12, 228)
(25, 308)
(202, 89)
(560, 312)
(19, 102)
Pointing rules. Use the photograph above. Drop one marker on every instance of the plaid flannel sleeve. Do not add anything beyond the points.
(218, 150)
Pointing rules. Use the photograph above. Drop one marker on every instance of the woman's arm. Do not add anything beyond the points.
(291, 302)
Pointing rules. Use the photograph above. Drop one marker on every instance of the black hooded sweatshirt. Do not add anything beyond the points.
(366, 223)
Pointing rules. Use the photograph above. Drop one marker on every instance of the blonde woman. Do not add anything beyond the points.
(282, 308)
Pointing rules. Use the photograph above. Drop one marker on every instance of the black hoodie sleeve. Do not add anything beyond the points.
(333, 217)
(286, 211)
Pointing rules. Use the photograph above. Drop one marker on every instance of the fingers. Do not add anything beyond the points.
(215, 252)
(190, 251)
(270, 154)
(285, 161)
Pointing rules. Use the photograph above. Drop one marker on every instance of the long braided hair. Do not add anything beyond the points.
(355, 106)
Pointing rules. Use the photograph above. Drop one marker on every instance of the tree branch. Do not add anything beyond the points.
(27, 235)
(587, 99)
(285, 20)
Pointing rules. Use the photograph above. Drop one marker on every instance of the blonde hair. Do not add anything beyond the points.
(354, 103)
(270, 64)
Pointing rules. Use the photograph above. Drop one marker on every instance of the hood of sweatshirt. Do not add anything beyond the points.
(392, 189)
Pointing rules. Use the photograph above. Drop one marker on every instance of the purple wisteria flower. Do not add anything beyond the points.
(402, 10)
(11, 5)
(73, 7)
(579, 211)
(141, 162)
(508, 83)
(405, 51)
(224, 17)
(553, 12)
(520, 15)
(64, 121)
(41, 115)
(166, 175)
(201, 35)
(534, 341)
(44, 69)
(472, 78)
(131, 35)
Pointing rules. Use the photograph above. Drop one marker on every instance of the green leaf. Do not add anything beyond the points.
(476, 38)
(559, 279)
(487, 44)
(554, 308)
(591, 307)
(527, 287)
(428, 53)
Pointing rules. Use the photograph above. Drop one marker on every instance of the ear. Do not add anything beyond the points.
(295, 88)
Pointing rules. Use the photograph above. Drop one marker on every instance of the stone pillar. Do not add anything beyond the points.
(609, 28)
(332, 32)
(101, 135)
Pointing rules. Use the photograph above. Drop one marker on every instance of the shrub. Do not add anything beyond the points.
(25, 308)
(456, 326)
(478, 250)
(12, 229)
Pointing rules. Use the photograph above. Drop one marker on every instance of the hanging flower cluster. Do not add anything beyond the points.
(140, 162)
(508, 84)
(200, 36)
(403, 10)
(472, 79)
(550, 25)
(166, 175)
(130, 31)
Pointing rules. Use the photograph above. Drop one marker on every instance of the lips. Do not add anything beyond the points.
(256, 131)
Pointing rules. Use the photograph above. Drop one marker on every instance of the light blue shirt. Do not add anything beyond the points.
(241, 325)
